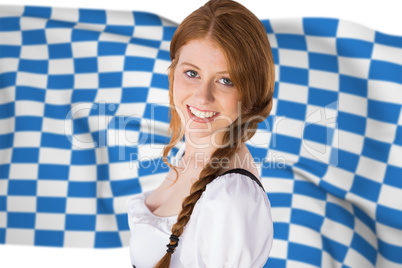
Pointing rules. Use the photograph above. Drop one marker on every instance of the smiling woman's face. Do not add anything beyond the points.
(203, 93)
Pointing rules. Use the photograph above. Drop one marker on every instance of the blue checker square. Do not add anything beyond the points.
(125, 187)
(60, 51)
(139, 64)
(387, 39)
(111, 48)
(168, 32)
(80, 222)
(318, 133)
(275, 262)
(267, 26)
(352, 123)
(92, 16)
(293, 75)
(309, 189)
(303, 253)
(389, 216)
(275, 55)
(122, 154)
(62, 81)
(55, 141)
(160, 81)
(280, 199)
(156, 112)
(9, 24)
(390, 251)
(122, 222)
(285, 143)
(107, 240)
(80, 125)
(21, 220)
(291, 109)
(22, 187)
(7, 79)
(6, 110)
(80, 35)
(84, 95)
(337, 250)
(40, 12)
(82, 189)
(25, 155)
(307, 219)
(281, 230)
(366, 188)
(375, 149)
(3, 203)
(7, 51)
(355, 48)
(33, 66)
(324, 27)
(386, 71)
(2, 235)
(323, 62)
(102, 172)
(339, 214)
(86, 65)
(83, 157)
(49, 238)
(104, 206)
(321, 97)
(51, 204)
(57, 111)
(163, 55)
(59, 24)
(363, 217)
(6, 140)
(28, 123)
(393, 176)
(146, 19)
(110, 79)
(30, 93)
(4, 171)
(53, 172)
(364, 248)
(353, 85)
(33, 37)
(120, 30)
(291, 41)
(398, 136)
(134, 94)
(383, 111)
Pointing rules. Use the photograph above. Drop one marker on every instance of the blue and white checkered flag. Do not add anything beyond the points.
(84, 117)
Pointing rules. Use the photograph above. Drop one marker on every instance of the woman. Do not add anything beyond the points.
(211, 206)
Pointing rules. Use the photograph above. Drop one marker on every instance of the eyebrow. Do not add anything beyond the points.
(195, 66)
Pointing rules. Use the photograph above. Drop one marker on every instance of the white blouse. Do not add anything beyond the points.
(230, 226)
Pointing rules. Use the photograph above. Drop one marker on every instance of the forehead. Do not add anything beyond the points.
(203, 53)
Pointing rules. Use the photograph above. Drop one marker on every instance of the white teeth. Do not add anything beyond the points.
(201, 114)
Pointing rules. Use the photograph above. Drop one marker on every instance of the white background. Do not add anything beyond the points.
(384, 17)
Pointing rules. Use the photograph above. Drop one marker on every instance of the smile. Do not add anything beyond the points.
(201, 116)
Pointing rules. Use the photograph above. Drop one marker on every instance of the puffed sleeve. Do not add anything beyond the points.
(231, 225)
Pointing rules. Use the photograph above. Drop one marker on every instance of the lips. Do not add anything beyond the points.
(199, 119)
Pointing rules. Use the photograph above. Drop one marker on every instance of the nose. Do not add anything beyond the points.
(204, 94)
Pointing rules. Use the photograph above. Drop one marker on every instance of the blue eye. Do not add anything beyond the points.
(226, 81)
(191, 73)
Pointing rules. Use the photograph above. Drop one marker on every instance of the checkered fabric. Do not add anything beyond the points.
(84, 117)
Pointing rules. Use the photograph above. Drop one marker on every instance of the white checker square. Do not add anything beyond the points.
(390, 197)
(101, 122)
(161, 66)
(323, 80)
(278, 185)
(382, 262)
(7, 125)
(81, 110)
(12, 38)
(308, 203)
(120, 137)
(150, 151)
(349, 29)
(293, 58)
(279, 249)
(281, 156)
(366, 232)
(110, 64)
(79, 239)
(151, 182)
(6, 156)
(322, 116)
(158, 97)
(261, 138)
(23, 171)
(120, 203)
(384, 91)
(352, 104)
(339, 178)
(380, 131)
(7, 10)
(354, 67)
(328, 261)
(165, 45)
(106, 223)
(294, 93)
(20, 236)
(389, 234)
(61, 66)
(31, 79)
(288, 26)
(323, 45)
(277, 72)
(355, 259)
(395, 154)
(84, 49)
(305, 236)
(114, 37)
(21, 204)
(86, 81)
(131, 109)
(3, 219)
(124, 238)
(32, 52)
(337, 232)
(137, 79)
(110, 95)
(82, 141)
(350, 142)
(371, 169)
(7, 94)
(272, 40)
(148, 32)
(27, 139)
(65, 14)
(56, 126)
(8, 65)
(85, 173)
(386, 53)
(122, 171)
(141, 51)
(298, 264)
(102, 155)
(30, 108)
(32, 23)
(54, 156)
(52, 188)
(168, 22)
(289, 127)
(50, 221)
(367, 206)
(58, 35)
(76, 205)
(103, 189)
(315, 151)
(58, 96)
(114, 17)
(3, 187)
